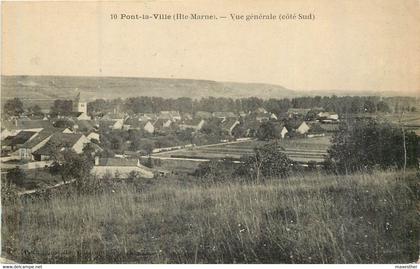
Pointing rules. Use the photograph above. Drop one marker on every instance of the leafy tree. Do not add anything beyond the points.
(266, 131)
(13, 107)
(63, 123)
(36, 110)
(267, 161)
(186, 135)
(76, 167)
(212, 128)
(366, 144)
(61, 107)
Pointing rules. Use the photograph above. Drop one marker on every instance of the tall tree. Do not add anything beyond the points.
(13, 107)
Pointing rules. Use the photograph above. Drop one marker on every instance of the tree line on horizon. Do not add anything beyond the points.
(145, 104)
(341, 105)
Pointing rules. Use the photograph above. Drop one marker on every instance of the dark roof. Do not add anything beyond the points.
(19, 139)
(41, 136)
(66, 139)
(117, 162)
(60, 140)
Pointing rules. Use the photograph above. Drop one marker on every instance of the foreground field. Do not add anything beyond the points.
(364, 218)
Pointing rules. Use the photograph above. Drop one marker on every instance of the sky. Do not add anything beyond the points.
(351, 45)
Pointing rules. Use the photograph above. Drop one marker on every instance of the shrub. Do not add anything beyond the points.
(366, 144)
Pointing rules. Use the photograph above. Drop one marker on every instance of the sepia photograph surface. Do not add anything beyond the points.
(210, 132)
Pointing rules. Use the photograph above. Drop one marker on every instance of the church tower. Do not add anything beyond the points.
(79, 106)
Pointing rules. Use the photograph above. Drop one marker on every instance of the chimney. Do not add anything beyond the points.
(96, 160)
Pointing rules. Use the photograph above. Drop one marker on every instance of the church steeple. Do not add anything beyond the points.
(79, 106)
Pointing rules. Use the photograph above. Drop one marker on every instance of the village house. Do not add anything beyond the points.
(112, 121)
(273, 116)
(93, 136)
(327, 116)
(118, 124)
(281, 130)
(170, 115)
(61, 142)
(134, 123)
(12, 143)
(120, 167)
(296, 126)
(39, 140)
(303, 128)
(148, 127)
(162, 123)
(228, 125)
(195, 124)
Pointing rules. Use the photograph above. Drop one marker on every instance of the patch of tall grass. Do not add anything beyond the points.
(360, 218)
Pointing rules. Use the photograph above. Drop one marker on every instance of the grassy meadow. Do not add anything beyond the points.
(361, 218)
